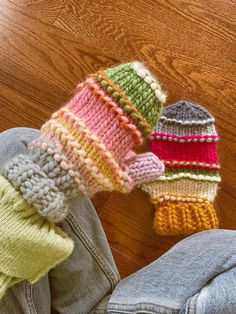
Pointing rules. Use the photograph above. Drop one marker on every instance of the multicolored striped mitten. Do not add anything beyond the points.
(185, 140)
(83, 148)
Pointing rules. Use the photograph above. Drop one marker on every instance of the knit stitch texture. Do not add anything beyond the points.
(30, 245)
(83, 148)
(185, 140)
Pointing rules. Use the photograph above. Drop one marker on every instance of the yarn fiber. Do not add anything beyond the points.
(24, 235)
(185, 140)
(36, 187)
(82, 146)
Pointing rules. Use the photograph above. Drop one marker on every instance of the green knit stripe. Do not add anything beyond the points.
(205, 172)
(141, 123)
(137, 90)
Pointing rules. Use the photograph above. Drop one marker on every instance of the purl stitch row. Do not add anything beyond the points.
(185, 140)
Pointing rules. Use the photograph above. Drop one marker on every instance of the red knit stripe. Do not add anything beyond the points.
(191, 167)
(199, 152)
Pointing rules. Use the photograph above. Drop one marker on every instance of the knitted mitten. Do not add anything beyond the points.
(185, 140)
(83, 148)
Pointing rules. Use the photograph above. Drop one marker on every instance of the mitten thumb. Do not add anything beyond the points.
(143, 167)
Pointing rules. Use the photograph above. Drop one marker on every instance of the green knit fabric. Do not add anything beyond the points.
(205, 172)
(29, 245)
(137, 91)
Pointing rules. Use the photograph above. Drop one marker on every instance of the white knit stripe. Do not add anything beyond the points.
(145, 74)
(185, 130)
(171, 138)
(182, 187)
(198, 177)
(188, 122)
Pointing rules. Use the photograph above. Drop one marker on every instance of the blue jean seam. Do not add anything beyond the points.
(140, 306)
(191, 305)
(72, 221)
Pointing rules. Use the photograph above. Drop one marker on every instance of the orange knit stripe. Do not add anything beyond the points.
(122, 95)
(178, 218)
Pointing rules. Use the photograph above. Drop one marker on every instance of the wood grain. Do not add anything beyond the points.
(46, 47)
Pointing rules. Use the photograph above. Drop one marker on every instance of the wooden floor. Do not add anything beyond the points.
(47, 46)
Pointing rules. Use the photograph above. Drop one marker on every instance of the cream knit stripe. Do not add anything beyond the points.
(179, 198)
(185, 130)
(145, 74)
(187, 122)
(182, 187)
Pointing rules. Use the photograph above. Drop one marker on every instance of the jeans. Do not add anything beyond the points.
(197, 276)
(82, 281)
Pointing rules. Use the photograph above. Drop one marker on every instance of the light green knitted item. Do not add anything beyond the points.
(139, 86)
(29, 245)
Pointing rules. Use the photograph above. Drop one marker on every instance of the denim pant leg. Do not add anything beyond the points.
(89, 275)
(25, 298)
(217, 297)
(165, 285)
(81, 283)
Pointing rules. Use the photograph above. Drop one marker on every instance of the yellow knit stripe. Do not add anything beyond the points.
(93, 146)
(60, 135)
(91, 151)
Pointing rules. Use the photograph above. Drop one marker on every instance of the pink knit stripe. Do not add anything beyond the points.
(199, 152)
(185, 137)
(101, 122)
(114, 107)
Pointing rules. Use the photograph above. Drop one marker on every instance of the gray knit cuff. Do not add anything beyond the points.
(36, 188)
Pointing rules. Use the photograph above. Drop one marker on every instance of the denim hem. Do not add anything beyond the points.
(191, 305)
(112, 277)
(145, 308)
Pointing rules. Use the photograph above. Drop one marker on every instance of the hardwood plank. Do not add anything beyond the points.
(40, 62)
(45, 10)
(127, 220)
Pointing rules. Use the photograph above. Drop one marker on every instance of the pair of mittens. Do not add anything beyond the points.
(185, 141)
